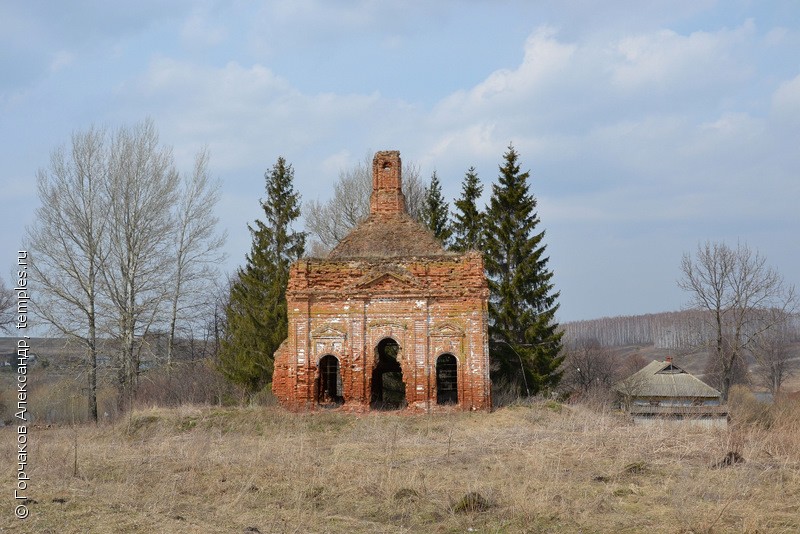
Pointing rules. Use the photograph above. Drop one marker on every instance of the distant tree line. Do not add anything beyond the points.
(679, 330)
(667, 330)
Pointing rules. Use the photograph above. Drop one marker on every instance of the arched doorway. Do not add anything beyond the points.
(388, 388)
(446, 379)
(329, 390)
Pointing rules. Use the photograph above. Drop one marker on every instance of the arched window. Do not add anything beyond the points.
(446, 379)
(329, 391)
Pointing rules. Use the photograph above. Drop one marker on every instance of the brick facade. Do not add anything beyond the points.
(388, 320)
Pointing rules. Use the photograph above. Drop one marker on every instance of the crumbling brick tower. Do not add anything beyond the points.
(389, 320)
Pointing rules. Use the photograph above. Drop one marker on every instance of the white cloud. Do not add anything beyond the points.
(671, 156)
(545, 61)
(665, 60)
(61, 59)
(776, 36)
(786, 101)
(286, 27)
(242, 111)
(232, 82)
(336, 162)
(639, 91)
(199, 31)
(545, 58)
(475, 140)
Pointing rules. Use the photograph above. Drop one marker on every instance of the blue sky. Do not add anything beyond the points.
(648, 127)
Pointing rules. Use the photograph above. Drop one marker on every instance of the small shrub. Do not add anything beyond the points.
(140, 422)
(187, 423)
(190, 382)
(505, 392)
(554, 406)
(732, 458)
(472, 502)
(264, 397)
(746, 410)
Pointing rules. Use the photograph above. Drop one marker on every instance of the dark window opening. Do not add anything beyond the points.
(446, 379)
(388, 388)
(329, 392)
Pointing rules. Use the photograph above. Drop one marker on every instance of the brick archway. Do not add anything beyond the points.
(388, 388)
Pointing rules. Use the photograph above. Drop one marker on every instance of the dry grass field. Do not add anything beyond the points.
(543, 467)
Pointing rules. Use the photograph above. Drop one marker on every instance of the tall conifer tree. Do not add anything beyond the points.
(468, 219)
(522, 304)
(435, 214)
(256, 311)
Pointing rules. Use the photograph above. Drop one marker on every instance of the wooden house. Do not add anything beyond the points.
(665, 392)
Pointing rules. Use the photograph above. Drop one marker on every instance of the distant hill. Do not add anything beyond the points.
(680, 330)
(680, 334)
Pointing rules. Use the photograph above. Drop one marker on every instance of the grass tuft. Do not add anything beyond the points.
(472, 502)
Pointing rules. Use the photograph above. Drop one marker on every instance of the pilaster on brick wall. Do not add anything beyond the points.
(387, 187)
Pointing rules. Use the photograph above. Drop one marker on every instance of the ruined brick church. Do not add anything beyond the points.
(389, 320)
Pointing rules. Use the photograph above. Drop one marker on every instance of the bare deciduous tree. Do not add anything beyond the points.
(67, 244)
(715, 374)
(413, 190)
(329, 222)
(197, 251)
(7, 307)
(216, 319)
(736, 287)
(142, 189)
(773, 355)
(588, 366)
(111, 240)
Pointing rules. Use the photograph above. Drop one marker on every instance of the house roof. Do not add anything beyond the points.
(388, 235)
(665, 379)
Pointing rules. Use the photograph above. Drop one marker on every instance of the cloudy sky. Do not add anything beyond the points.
(648, 127)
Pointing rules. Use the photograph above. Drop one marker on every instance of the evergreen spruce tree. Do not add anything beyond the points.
(468, 219)
(435, 213)
(524, 337)
(256, 310)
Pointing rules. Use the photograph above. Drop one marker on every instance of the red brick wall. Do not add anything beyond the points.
(387, 194)
(430, 306)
